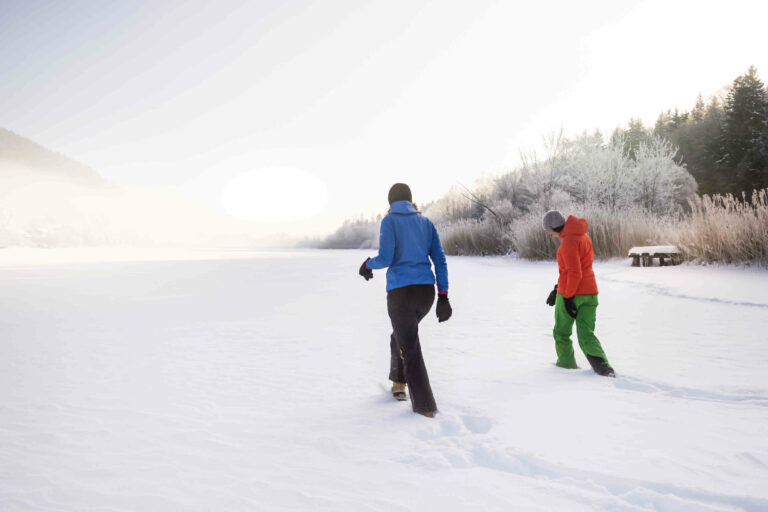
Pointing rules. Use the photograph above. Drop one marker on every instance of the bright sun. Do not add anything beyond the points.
(275, 194)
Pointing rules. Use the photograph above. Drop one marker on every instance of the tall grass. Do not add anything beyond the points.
(530, 240)
(726, 229)
(717, 229)
(613, 234)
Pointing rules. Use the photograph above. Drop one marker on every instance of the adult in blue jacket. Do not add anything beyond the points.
(407, 242)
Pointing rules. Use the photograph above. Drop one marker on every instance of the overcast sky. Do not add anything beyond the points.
(347, 97)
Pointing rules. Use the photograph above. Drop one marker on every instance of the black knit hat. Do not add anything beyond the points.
(399, 192)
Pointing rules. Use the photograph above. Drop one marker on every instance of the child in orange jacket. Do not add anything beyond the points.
(575, 294)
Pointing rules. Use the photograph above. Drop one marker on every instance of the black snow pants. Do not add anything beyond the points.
(406, 307)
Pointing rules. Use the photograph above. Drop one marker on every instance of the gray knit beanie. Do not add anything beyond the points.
(553, 219)
(399, 192)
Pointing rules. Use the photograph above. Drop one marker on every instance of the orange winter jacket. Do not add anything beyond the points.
(574, 259)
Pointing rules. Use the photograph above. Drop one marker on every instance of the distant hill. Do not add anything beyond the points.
(26, 159)
(50, 200)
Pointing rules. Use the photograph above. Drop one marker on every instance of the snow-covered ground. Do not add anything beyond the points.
(150, 381)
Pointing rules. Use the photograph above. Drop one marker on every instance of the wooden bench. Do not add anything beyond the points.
(666, 254)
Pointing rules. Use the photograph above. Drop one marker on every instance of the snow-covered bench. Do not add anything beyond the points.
(666, 254)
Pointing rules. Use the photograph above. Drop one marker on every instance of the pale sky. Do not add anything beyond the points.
(272, 100)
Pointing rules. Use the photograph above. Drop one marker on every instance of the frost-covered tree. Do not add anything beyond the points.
(359, 233)
(453, 206)
(601, 174)
(547, 179)
(659, 183)
(511, 188)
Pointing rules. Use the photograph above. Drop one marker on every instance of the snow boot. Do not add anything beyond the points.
(428, 414)
(398, 391)
(600, 366)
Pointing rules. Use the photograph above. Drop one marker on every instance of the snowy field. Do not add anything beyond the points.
(205, 381)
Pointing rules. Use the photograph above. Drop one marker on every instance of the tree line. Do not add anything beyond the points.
(697, 179)
(722, 142)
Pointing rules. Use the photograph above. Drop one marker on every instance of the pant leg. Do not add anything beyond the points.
(396, 369)
(406, 307)
(585, 326)
(425, 297)
(562, 334)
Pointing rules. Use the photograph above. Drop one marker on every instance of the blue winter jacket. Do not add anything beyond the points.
(406, 243)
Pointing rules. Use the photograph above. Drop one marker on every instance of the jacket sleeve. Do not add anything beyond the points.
(572, 262)
(386, 246)
(437, 255)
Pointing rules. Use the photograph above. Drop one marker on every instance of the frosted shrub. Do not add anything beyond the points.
(355, 234)
(451, 208)
(481, 237)
(660, 184)
(503, 211)
(601, 174)
(510, 188)
(607, 176)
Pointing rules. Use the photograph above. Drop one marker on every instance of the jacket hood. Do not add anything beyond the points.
(403, 208)
(574, 226)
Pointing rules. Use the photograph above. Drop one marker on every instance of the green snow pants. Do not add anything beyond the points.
(585, 330)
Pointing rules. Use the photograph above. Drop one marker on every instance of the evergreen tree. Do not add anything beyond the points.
(698, 141)
(663, 126)
(723, 144)
(744, 136)
(699, 110)
(635, 135)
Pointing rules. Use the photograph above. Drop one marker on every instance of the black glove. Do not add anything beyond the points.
(365, 271)
(552, 297)
(570, 307)
(443, 309)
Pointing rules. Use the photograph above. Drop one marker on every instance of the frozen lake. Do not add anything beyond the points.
(209, 380)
